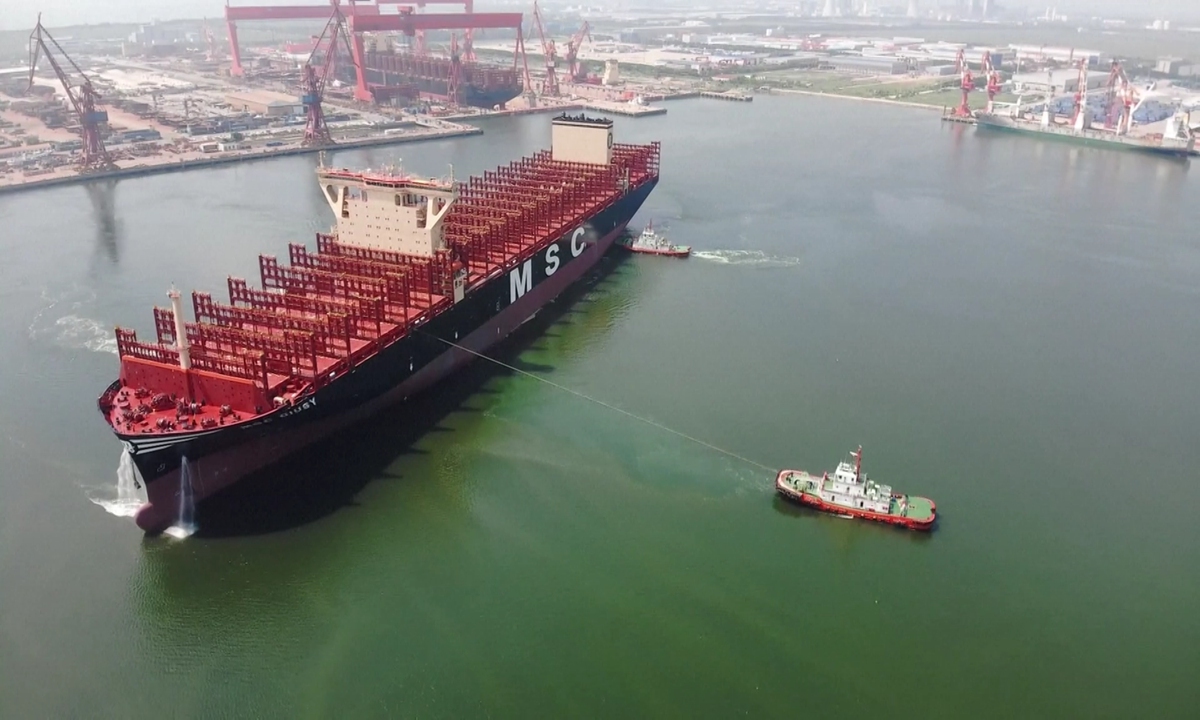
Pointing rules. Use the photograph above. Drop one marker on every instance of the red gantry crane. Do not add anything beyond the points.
(966, 84)
(83, 99)
(550, 53)
(1118, 109)
(410, 23)
(577, 71)
(316, 132)
(992, 75)
(352, 9)
(1079, 116)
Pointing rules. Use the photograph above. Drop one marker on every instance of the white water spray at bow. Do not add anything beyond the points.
(186, 524)
(129, 495)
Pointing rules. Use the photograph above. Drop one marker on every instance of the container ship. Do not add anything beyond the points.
(428, 76)
(1175, 140)
(416, 276)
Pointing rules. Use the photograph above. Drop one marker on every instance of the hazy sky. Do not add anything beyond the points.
(22, 14)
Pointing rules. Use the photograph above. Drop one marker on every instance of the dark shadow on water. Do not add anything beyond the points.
(102, 195)
(531, 367)
(326, 476)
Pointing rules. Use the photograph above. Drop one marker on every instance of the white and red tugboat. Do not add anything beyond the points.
(653, 243)
(849, 492)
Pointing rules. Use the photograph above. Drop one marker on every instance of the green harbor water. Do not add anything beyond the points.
(1008, 326)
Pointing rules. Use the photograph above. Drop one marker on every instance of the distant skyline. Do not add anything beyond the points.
(18, 15)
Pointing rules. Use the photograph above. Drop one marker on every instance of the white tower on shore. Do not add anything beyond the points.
(830, 9)
(912, 9)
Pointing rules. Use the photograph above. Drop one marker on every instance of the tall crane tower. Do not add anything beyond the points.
(577, 72)
(1119, 104)
(316, 132)
(966, 84)
(1080, 119)
(82, 95)
(550, 86)
(992, 76)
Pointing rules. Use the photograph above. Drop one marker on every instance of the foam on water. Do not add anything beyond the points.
(179, 532)
(748, 258)
(61, 323)
(128, 495)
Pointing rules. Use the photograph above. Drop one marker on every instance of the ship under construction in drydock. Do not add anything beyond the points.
(417, 275)
(390, 73)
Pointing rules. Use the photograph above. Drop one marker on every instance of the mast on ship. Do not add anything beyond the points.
(857, 455)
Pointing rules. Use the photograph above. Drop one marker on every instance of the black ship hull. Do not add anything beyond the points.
(216, 459)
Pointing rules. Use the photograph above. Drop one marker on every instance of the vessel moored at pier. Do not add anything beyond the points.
(849, 492)
(1176, 139)
(417, 275)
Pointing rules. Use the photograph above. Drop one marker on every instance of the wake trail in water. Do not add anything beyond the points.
(71, 330)
(746, 258)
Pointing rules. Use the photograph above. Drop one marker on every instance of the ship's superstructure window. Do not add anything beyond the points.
(411, 224)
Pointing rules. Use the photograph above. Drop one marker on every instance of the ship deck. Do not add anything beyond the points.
(919, 508)
(325, 312)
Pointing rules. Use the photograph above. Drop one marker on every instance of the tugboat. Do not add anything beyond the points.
(651, 243)
(850, 493)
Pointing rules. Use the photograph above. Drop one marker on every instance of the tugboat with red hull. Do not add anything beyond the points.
(417, 275)
(850, 493)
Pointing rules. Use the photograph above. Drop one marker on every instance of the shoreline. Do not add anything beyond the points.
(885, 101)
(239, 157)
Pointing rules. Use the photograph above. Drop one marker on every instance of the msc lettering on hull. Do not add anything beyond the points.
(520, 278)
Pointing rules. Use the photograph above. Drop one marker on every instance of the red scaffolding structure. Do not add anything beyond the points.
(409, 24)
(352, 9)
(83, 98)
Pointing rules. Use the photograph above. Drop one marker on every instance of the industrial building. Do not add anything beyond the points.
(1067, 55)
(1176, 67)
(868, 65)
(1053, 82)
(265, 103)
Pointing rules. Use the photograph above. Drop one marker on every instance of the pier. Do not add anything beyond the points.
(165, 164)
(628, 109)
(727, 95)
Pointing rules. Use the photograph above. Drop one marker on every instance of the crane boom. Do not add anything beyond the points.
(577, 73)
(550, 86)
(83, 98)
(992, 76)
(316, 131)
(966, 83)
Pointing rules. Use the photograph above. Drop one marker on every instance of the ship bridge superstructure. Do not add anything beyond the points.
(850, 487)
(389, 211)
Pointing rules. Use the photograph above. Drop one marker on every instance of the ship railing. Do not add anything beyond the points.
(292, 355)
(164, 325)
(365, 313)
(341, 285)
(129, 346)
(247, 365)
(426, 278)
(331, 332)
(395, 276)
